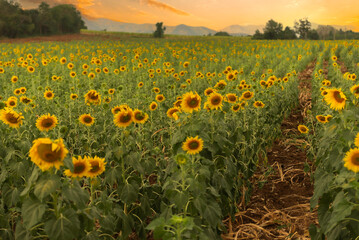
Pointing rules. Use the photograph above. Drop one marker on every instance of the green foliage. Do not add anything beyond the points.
(302, 28)
(60, 19)
(160, 31)
(222, 34)
(274, 30)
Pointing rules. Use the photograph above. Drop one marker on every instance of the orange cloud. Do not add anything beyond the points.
(165, 6)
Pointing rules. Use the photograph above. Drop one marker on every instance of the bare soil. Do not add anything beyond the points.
(280, 209)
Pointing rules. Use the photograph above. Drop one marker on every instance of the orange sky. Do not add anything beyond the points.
(217, 14)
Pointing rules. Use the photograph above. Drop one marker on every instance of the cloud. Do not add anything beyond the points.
(166, 6)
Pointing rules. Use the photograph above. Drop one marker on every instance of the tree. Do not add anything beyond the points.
(302, 28)
(313, 34)
(257, 35)
(222, 34)
(288, 33)
(272, 30)
(160, 31)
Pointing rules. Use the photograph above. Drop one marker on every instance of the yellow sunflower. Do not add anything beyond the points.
(220, 85)
(247, 95)
(172, 112)
(139, 116)
(303, 129)
(14, 79)
(73, 96)
(11, 102)
(123, 107)
(191, 102)
(111, 91)
(46, 153)
(214, 101)
(97, 166)
(231, 97)
(86, 119)
(258, 104)
(335, 98)
(321, 118)
(351, 160)
(355, 90)
(46, 122)
(153, 106)
(81, 168)
(208, 91)
(236, 107)
(92, 97)
(160, 98)
(356, 140)
(123, 118)
(10, 117)
(193, 145)
(49, 94)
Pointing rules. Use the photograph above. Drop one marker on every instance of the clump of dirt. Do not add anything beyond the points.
(280, 209)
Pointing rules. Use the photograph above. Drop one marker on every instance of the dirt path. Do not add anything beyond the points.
(281, 209)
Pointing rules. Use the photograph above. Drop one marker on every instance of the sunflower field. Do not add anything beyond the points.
(126, 139)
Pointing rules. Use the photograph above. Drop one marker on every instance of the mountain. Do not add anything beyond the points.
(243, 30)
(100, 24)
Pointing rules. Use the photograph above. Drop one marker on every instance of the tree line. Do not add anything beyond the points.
(303, 30)
(45, 20)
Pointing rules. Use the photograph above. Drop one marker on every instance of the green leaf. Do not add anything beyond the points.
(46, 186)
(32, 211)
(63, 228)
(129, 193)
(30, 181)
(158, 222)
(341, 209)
(76, 194)
(21, 233)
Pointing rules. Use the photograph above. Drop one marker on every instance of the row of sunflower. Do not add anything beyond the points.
(157, 137)
(334, 136)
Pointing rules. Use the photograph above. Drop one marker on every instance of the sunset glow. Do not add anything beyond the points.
(217, 14)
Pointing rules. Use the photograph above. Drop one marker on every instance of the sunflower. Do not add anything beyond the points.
(46, 122)
(123, 118)
(10, 117)
(97, 166)
(193, 145)
(156, 90)
(139, 116)
(303, 129)
(17, 91)
(23, 90)
(230, 76)
(72, 74)
(25, 100)
(123, 107)
(153, 106)
(220, 85)
(351, 160)
(14, 79)
(247, 95)
(236, 107)
(81, 167)
(335, 98)
(321, 118)
(160, 98)
(231, 97)
(49, 94)
(328, 118)
(334, 58)
(214, 101)
(11, 102)
(63, 60)
(191, 102)
(355, 90)
(92, 97)
(140, 84)
(46, 153)
(258, 104)
(30, 69)
(172, 112)
(73, 96)
(208, 91)
(111, 91)
(86, 119)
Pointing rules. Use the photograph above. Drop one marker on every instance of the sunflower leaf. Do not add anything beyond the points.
(64, 227)
(32, 211)
(46, 186)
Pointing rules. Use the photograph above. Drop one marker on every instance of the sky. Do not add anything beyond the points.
(216, 14)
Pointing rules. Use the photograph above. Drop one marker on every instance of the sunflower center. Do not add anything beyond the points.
(215, 100)
(193, 145)
(139, 116)
(11, 118)
(338, 97)
(247, 95)
(95, 167)
(48, 122)
(79, 168)
(236, 107)
(25, 100)
(125, 118)
(192, 102)
(232, 98)
(356, 90)
(46, 154)
(88, 119)
(49, 95)
(321, 118)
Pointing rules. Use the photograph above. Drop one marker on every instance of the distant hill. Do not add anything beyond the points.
(242, 30)
(114, 26)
